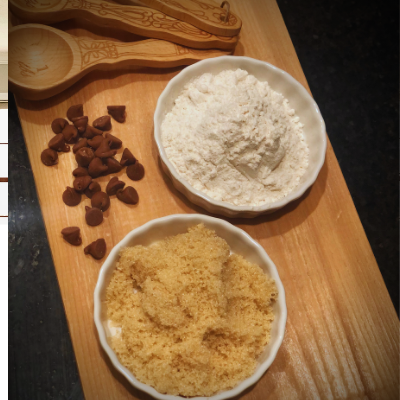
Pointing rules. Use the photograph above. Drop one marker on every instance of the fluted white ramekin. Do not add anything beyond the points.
(240, 243)
(280, 81)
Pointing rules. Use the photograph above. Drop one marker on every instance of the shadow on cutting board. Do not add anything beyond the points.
(98, 77)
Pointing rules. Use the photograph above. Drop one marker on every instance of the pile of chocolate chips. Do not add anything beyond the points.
(94, 148)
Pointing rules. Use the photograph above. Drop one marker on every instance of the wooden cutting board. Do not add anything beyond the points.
(341, 337)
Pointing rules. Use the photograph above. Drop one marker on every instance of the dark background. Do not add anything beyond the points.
(349, 54)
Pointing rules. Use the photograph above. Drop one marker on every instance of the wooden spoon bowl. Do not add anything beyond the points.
(39, 57)
(44, 61)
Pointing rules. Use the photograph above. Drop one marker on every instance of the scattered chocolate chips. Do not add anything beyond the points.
(127, 158)
(72, 235)
(58, 125)
(83, 156)
(82, 182)
(113, 166)
(95, 142)
(79, 145)
(96, 167)
(93, 216)
(91, 132)
(92, 189)
(101, 201)
(70, 134)
(103, 123)
(114, 185)
(80, 171)
(71, 197)
(135, 171)
(80, 124)
(49, 157)
(117, 112)
(114, 142)
(94, 155)
(104, 151)
(75, 112)
(129, 195)
(57, 143)
(96, 249)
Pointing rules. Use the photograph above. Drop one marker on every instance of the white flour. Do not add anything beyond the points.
(235, 139)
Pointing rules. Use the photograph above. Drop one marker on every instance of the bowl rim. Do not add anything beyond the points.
(108, 263)
(294, 194)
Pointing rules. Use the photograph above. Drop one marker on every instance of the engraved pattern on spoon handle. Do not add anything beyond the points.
(215, 18)
(105, 51)
(143, 17)
(93, 51)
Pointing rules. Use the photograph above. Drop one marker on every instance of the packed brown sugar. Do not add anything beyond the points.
(193, 317)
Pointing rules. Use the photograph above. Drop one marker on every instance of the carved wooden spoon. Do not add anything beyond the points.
(44, 61)
(142, 21)
(204, 14)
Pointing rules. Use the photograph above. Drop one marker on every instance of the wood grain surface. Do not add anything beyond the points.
(342, 332)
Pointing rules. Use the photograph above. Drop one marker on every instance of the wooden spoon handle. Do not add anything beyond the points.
(204, 14)
(99, 54)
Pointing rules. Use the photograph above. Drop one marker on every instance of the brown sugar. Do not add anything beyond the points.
(193, 317)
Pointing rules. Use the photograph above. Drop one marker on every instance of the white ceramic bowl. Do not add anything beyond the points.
(280, 81)
(239, 242)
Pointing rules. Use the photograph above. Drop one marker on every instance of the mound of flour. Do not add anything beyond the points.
(235, 139)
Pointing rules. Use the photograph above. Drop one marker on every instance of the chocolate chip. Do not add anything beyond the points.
(115, 143)
(117, 112)
(58, 125)
(81, 123)
(96, 167)
(83, 156)
(92, 189)
(80, 171)
(104, 151)
(91, 132)
(135, 171)
(93, 216)
(82, 182)
(57, 143)
(49, 157)
(101, 201)
(127, 158)
(70, 134)
(79, 145)
(129, 195)
(103, 123)
(113, 166)
(95, 142)
(71, 197)
(75, 112)
(72, 235)
(114, 185)
(96, 249)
